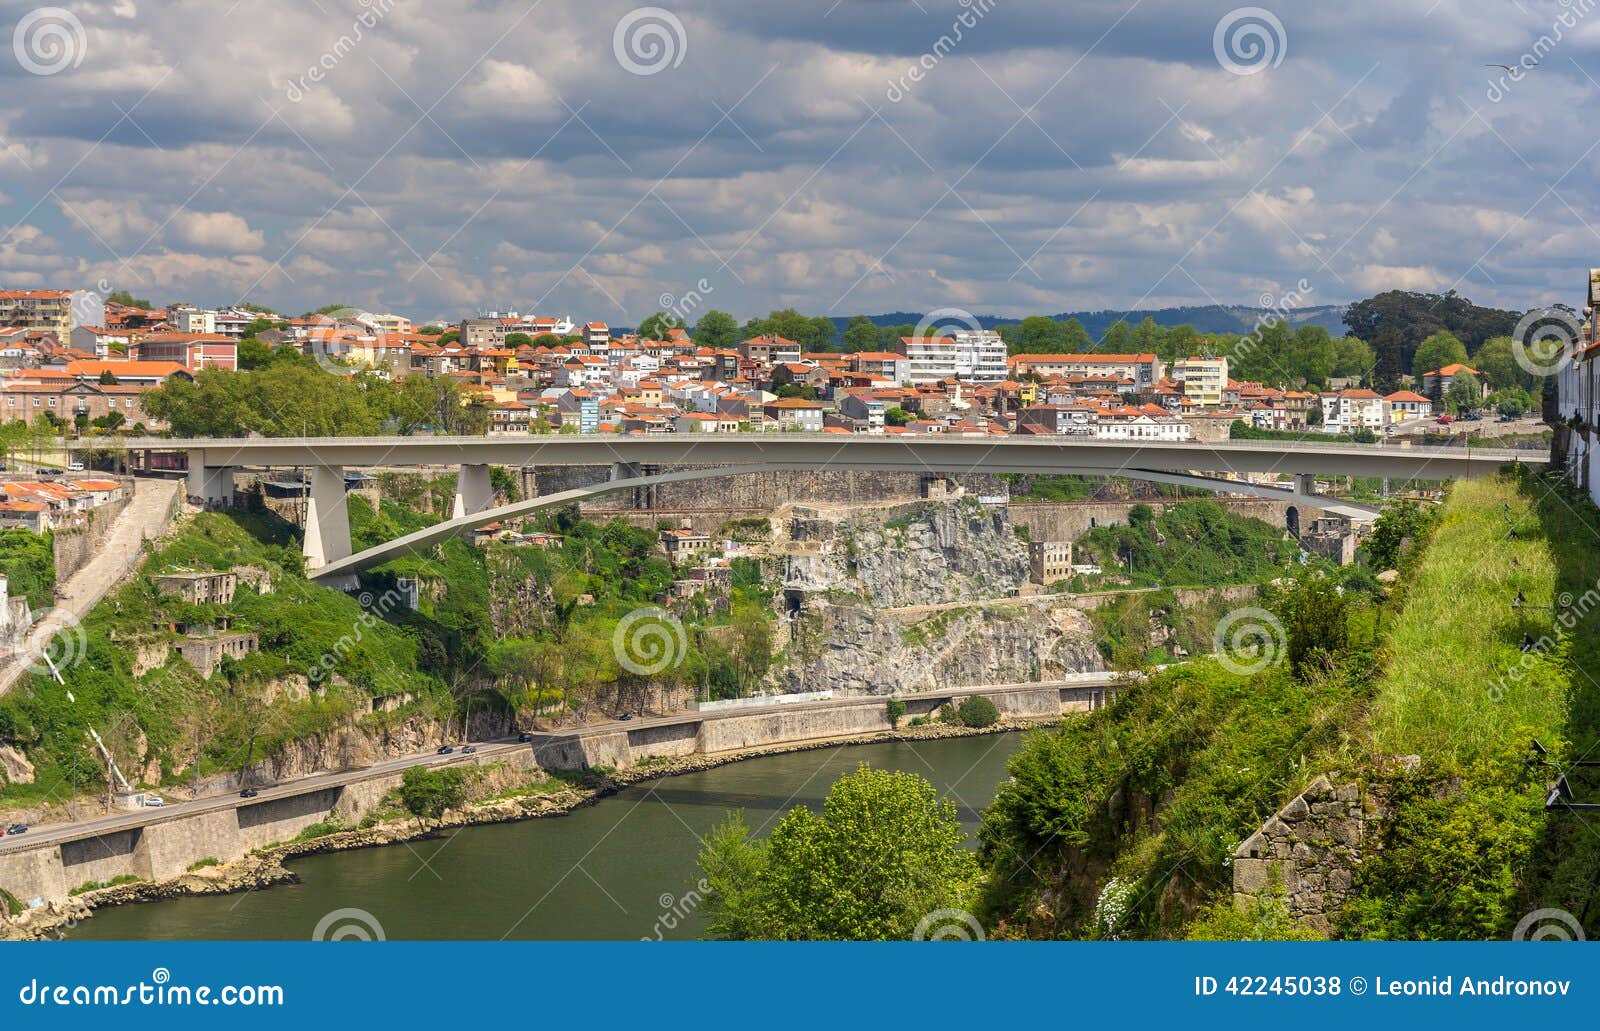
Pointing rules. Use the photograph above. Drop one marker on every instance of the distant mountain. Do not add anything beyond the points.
(1210, 318)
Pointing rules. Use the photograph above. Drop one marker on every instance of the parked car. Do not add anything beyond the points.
(249, 793)
(17, 828)
(445, 750)
(75, 467)
(153, 802)
(524, 737)
(469, 749)
(1444, 420)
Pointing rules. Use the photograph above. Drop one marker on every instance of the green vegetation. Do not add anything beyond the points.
(895, 709)
(201, 864)
(27, 560)
(1192, 544)
(11, 904)
(428, 793)
(977, 712)
(87, 886)
(884, 852)
(1241, 430)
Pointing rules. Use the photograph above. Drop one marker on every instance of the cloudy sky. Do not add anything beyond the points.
(600, 159)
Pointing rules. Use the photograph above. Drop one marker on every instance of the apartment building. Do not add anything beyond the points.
(37, 309)
(977, 356)
(1204, 380)
(1145, 370)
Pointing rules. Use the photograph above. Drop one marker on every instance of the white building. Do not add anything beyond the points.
(974, 356)
(1578, 402)
(1349, 411)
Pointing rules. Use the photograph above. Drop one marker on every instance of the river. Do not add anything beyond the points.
(622, 869)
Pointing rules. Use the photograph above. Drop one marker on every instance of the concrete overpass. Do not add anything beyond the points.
(327, 538)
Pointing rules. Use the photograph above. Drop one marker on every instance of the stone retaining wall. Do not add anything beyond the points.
(1309, 850)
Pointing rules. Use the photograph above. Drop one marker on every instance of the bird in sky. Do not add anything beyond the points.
(1507, 67)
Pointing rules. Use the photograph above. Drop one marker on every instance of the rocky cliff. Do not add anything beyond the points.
(860, 649)
(918, 554)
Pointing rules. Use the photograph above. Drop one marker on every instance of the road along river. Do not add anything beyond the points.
(622, 869)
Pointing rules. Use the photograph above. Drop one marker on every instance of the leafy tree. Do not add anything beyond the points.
(253, 354)
(1039, 334)
(1436, 352)
(1314, 620)
(1464, 394)
(431, 330)
(884, 852)
(1513, 403)
(1497, 360)
(124, 297)
(861, 335)
(1396, 525)
(656, 326)
(1397, 322)
(897, 416)
(516, 340)
(894, 708)
(427, 793)
(977, 712)
(716, 329)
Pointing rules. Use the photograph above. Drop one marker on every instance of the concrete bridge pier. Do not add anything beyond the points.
(327, 529)
(1305, 483)
(213, 485)
(474, 493)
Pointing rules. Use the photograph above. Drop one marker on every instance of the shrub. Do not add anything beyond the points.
(977, 711)
(201, 864)
(894, 708)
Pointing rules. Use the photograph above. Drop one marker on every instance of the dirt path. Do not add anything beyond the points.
(146, 516)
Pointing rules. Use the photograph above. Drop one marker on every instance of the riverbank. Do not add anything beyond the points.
(266, 867)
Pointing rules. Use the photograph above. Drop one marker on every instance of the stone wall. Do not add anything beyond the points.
(75, 546)
(756, 492)
(1069, 520)
(1309, 850)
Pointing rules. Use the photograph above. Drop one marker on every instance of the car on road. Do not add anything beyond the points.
(249, 793)
(524, 737)
(1444, 420)
(74, 467)
(469, 749)
(17, 828)
(626, 716)
(153, 802)
(445, 750)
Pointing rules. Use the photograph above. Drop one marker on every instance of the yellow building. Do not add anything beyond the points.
(1204, 379)
(37, 309)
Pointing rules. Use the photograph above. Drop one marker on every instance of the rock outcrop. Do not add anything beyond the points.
(858, 649)
(14, 766)
(917, 554)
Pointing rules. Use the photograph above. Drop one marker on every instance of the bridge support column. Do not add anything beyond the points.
(474, 493)
(327, 537)
(213, 485)
(625, 471)
(1305, 483)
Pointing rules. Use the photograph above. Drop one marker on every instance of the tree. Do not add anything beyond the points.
(1396, 526)
(1497, 360)
(253, 354)
(884, 853)
(1464, 394)
(977, 712)
(1436, 352)
(1038, 334)
(427, 793)
(656, 326)
(716, 329)
(894, 708)
(107, 379)
(516, 340)
(897, 416)
(861, 335)
(126, 298)
(1315, 622)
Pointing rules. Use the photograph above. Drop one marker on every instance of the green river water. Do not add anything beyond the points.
(622, 869)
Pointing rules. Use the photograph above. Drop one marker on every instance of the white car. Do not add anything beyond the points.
(75, 467)
(153, 802)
